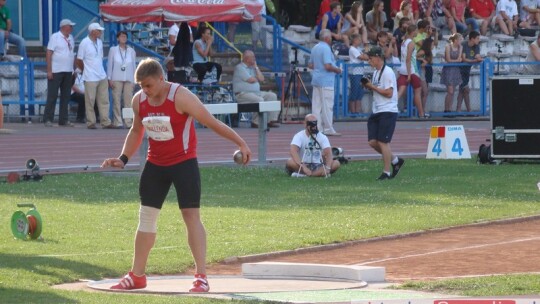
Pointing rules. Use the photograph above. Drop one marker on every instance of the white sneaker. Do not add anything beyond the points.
(295, 174)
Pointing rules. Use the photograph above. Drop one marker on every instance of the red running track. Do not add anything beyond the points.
(78, 149)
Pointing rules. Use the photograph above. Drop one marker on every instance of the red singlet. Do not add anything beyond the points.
(172, 137)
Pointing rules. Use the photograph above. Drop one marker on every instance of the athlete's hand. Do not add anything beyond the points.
(112, 162)
(246, 154)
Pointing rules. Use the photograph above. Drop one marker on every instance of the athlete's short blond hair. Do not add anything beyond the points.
(148, 67)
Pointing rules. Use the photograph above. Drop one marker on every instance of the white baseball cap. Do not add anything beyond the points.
(95, 26)
(66, 22)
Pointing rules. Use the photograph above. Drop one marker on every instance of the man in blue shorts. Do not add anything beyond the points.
(382, 121)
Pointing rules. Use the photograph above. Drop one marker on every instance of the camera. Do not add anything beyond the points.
(123, 68)
(364, 80)
(312, 127)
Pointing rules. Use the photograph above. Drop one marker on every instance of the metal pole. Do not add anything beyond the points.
(263, 120)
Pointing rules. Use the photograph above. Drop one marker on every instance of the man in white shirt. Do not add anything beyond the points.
(311, 153)
(60, 58)
(506, 16)
(90, 61)
(382, 122)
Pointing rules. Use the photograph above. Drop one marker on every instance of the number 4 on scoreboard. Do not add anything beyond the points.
(456, 147)
(437, 147)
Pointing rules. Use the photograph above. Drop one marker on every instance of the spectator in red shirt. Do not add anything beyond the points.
(483, 11)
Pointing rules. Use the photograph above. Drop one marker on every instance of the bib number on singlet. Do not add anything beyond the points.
(158, 127)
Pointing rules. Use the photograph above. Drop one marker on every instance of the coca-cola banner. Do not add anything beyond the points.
(180, 10)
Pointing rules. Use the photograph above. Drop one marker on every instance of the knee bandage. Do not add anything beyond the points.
(148, 217)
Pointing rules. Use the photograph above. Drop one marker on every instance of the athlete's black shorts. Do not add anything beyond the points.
(156, 181)
(381, 126)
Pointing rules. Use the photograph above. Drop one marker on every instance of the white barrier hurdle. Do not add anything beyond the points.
(226, 108)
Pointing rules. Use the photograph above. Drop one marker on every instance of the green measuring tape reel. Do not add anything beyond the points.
(29, 225)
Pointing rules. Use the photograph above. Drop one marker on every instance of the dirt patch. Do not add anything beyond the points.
(497, 248)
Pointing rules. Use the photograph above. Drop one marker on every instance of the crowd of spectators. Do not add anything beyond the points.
(455, 16)
(408, 36)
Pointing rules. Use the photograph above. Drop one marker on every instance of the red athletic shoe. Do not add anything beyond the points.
(200, 284)
(131, 281)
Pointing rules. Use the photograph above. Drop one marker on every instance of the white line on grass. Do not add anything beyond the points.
(100, 253)
(449, 250)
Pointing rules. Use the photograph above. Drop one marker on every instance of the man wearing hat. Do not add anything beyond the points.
(382, 121)
(96, 85)
(60, 58)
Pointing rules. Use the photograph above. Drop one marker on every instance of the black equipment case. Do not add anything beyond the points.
(515, 117)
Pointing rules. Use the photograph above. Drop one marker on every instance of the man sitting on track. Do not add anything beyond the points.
(311, 153)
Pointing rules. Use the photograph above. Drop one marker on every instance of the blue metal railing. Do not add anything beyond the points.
(342, 84)
(27, 91)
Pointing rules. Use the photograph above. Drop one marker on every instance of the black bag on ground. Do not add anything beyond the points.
(484, 155)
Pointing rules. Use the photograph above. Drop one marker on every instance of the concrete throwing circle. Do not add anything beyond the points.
(227, 284)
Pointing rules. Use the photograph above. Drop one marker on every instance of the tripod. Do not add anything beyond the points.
(292, 93)
(310, 151)
(499, 52)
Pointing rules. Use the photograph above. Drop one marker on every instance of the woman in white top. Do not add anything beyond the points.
(409, 73)
(353, 22)
(405, 10)
(120, 70)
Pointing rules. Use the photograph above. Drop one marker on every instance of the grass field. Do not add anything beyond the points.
(90, 219)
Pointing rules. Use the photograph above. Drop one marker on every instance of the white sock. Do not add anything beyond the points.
(387, 173)
(395, 160)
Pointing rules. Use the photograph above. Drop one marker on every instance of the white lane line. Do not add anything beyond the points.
(100, 253)
(450, 250)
